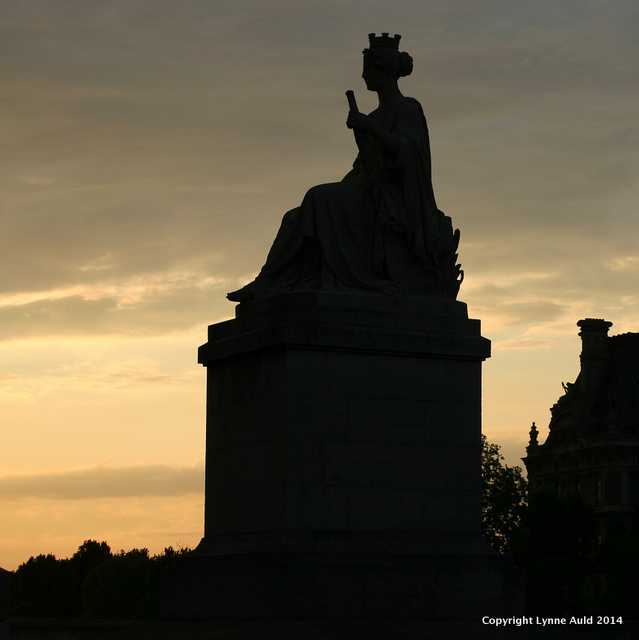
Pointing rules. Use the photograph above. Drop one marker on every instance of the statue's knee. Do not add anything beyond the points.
(321, 190)
(310, 194)
(288, 217)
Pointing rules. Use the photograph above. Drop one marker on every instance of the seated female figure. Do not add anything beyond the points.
(379, 228)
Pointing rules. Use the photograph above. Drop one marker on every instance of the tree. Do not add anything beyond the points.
(129, 584)
(93, 582)
(42, 587)
(89, 555)
(118, 587)
(504, 498)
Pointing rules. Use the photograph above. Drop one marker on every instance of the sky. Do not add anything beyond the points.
(150, 150)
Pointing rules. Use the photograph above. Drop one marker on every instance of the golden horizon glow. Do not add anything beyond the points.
(150, 153)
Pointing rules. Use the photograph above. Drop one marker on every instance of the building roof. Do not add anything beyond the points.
(604, 399)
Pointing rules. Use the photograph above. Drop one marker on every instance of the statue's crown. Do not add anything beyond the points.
(384, 41)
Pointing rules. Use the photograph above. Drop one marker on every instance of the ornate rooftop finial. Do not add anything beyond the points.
(533, 442)
(594, 325)
(383, 41)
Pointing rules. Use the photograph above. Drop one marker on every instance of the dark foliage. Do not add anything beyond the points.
(93, 582)
(119, 586)
(504, 498)
(42, 587)
(6, 578)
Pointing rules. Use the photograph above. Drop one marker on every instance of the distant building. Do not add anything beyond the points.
(592, 449)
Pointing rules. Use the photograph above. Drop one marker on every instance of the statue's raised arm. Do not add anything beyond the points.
(379, 229)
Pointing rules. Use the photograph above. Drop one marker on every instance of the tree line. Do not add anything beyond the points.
(94, 583)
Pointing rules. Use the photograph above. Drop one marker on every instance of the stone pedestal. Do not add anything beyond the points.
(343, 461)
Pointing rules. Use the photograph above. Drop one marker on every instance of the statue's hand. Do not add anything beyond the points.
(357, 120)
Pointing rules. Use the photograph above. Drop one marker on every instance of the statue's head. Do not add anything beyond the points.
(383, 60)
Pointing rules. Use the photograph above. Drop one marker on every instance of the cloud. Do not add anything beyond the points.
(96, 376)
(624, 263)
(151, 480)
(147, 304)
(531, 312)
(141, 147)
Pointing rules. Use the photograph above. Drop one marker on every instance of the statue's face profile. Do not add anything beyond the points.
(374, 74)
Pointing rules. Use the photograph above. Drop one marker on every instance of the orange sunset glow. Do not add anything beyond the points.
(150, 151)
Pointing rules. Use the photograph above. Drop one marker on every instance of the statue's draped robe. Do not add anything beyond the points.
(336, 238)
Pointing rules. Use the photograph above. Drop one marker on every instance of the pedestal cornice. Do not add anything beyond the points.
(411, 326)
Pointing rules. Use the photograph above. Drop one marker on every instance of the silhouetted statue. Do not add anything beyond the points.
(379, 229)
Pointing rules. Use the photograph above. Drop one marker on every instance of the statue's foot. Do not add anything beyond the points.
(241, 295)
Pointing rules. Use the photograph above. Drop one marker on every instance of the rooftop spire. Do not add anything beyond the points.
(533, 443)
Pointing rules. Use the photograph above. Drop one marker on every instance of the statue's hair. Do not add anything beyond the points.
(397, 63)
(404, 64)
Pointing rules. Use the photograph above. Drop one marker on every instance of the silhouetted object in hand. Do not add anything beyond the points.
(379, 229)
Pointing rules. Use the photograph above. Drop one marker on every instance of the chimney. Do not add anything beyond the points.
(594, 351)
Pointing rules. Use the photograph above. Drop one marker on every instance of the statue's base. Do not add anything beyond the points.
(343, 463)
(342, 586)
